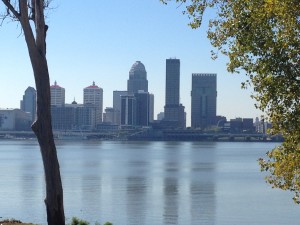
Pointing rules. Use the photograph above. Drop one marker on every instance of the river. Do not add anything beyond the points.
(146, 183)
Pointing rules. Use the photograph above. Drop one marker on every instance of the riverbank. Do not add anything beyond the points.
(13, 222)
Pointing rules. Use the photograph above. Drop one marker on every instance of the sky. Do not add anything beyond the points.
(99, 41)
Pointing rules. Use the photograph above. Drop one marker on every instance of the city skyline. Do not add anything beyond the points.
(104, 51)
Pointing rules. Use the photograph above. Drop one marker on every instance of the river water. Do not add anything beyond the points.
(146, 183)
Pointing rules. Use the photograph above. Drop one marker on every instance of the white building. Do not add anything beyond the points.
(93, 96)
(57, 95)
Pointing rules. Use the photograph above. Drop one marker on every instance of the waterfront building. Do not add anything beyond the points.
(236, 125)
(128, 110)
(174, 111)
(73, 117)
(15, 120)
(117, 105)
(109, 115)
(93, 96)
(28, 103)
(57, 95)
(242, 125)
(137, 78)
(142, 108)
(203, 100)
(248, 125)
(151, 107)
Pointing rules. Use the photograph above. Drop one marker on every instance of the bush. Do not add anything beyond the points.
(76, 221)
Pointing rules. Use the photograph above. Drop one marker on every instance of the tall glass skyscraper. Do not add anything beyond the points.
(137, 78)
(172, 82)
(174, 111)
(204, 100)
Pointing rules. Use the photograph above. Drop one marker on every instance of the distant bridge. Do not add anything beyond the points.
(167, 135)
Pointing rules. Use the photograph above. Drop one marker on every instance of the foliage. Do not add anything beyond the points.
(77, 221)
(262, 37)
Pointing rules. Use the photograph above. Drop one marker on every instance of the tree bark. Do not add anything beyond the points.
(43, 130)
(42, 127)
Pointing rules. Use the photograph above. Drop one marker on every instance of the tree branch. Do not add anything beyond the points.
(24, 20)
(11, 8)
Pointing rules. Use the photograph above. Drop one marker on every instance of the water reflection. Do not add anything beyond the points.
(170, 201)
(136, 200)
(146, 183)
(189, 184)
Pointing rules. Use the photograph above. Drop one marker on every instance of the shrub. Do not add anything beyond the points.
(76, 221)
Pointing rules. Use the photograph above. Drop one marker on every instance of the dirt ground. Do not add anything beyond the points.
(13, 222)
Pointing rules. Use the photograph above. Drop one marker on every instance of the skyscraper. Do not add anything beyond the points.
(57, 95)
(93, 96)
(172, 82)
(137, 78)
(117, 105)
(28, 104)
(128, 110)
(174, 111)
(142, 108)
(204, 100)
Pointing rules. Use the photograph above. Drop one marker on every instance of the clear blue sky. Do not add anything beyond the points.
(99, 40)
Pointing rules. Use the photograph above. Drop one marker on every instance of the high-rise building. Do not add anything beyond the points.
(174, 111)
(142, 108)
(137, 78)
(204, 100)
(172, 82)
(93, 96)
(151, 108)
(28, 104)
(128, 110)
(117, 105)
(57, 95)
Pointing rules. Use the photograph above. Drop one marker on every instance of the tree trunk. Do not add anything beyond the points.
(42, 127)
(43, 131)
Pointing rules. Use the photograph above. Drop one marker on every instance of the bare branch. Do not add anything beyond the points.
(11, 8)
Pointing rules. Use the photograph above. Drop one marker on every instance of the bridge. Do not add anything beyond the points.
(167, 135)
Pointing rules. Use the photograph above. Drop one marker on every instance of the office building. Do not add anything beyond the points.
(174, 111)
(109, 115)
(128, 110)
(117, 105)
(172, 82)
(73, 117)
(15, 120)
(151, 108)
(137, 78)
(203, 100)
(57, 95)
(142, 108)
(93, 96)
(28, 103)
